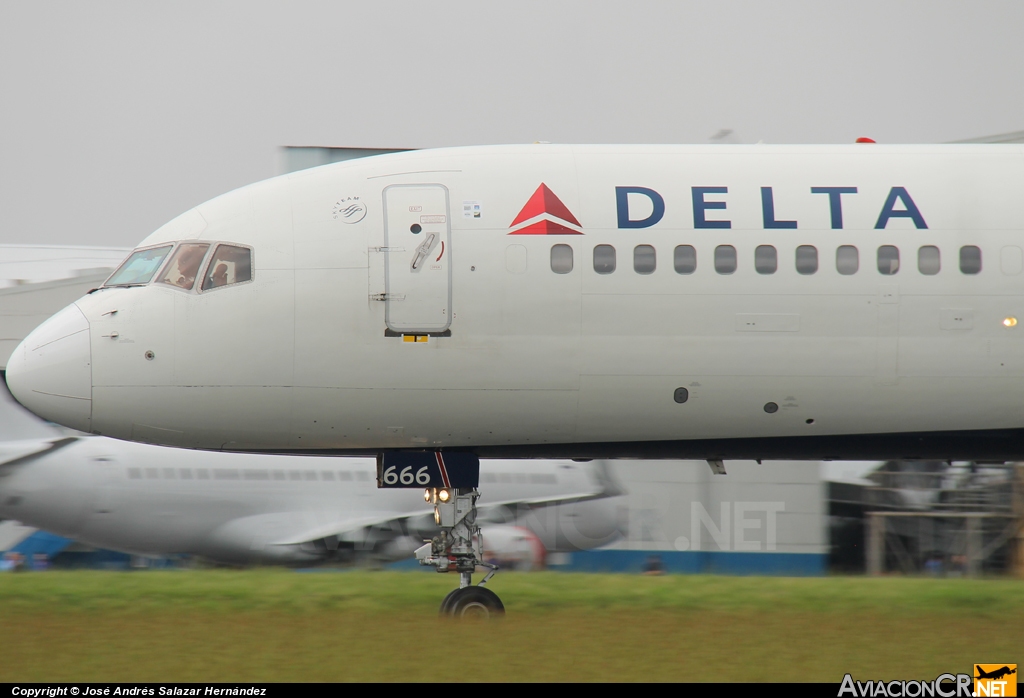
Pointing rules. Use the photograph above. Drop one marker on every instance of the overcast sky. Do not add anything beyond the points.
(117, 116)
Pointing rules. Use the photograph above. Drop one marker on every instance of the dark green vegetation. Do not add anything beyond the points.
(276, 625)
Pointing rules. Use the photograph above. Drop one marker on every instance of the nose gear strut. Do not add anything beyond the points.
(459, 547)
(451, 480)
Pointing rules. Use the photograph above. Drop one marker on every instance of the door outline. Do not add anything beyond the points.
(401, 254)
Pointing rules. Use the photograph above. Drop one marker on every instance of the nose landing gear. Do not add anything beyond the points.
(451, 480)
(459, 547)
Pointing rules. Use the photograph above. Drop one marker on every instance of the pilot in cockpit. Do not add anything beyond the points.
(220, 276)
(188, 264)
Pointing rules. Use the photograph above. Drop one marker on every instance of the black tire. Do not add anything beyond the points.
(475, 602)
(447, 600)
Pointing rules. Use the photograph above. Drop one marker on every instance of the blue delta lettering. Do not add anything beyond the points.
(707, 201)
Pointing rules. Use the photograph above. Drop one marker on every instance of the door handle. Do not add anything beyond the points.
(423, 250)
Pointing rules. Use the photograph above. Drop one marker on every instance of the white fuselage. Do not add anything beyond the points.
(576, 342)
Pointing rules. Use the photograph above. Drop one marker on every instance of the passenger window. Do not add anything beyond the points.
(970, 259)
(183, 268)
(888, 260)
(561, 259)
(928, 260)
(685, 259)
(806, 259)
(604, 259)
(725, 259)
(766, 259)
(645, 259)
(847, 260)
(230, 264)
(139, 268)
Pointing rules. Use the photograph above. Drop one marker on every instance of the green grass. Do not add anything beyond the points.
(276, 625)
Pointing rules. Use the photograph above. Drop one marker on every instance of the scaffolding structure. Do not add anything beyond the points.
(941, 518)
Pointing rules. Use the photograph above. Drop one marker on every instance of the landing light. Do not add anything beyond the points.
(426, 495)
(1010, 321)
(444, 495)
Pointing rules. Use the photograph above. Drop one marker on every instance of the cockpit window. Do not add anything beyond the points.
(183, 268)
(140, 267)
(230, 264)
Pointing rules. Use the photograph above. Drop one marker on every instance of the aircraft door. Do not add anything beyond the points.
(106, 478)
(417, 269)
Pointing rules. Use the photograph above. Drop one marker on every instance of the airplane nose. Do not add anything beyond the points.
(50, 372)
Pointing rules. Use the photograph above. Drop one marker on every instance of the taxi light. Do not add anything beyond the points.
(444, 495)
(426, 495)
(1010, 322)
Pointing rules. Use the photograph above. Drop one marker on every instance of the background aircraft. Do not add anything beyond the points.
(236, 508)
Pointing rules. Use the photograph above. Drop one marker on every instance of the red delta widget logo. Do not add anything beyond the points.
(545, 214)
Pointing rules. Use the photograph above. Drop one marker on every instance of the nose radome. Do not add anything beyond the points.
(50, 372)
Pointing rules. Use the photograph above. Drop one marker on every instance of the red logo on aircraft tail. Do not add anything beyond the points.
(554, 217)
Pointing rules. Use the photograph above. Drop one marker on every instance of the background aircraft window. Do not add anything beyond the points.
(139, 268)
(327, 475)
(806, 259)
(203, 474)
(362, 475)
(888, 260)
(225, 474)
(279, 475)
(185, 473)
(135, 473)
(970, 259)
(725, 259)
(152, 473)
(561, 259)
(183, 268)
(345, 475)
(766, 259)
(604, 259)
(645, 259)
(169, 473)
(928, 261)
(847, 260)
(230, 264)
(294, 475)
(488, 478)
(685, 259)
(310, 474)
(253, 474)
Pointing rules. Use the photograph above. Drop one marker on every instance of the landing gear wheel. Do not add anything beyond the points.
(447, 601)
(473, 602)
